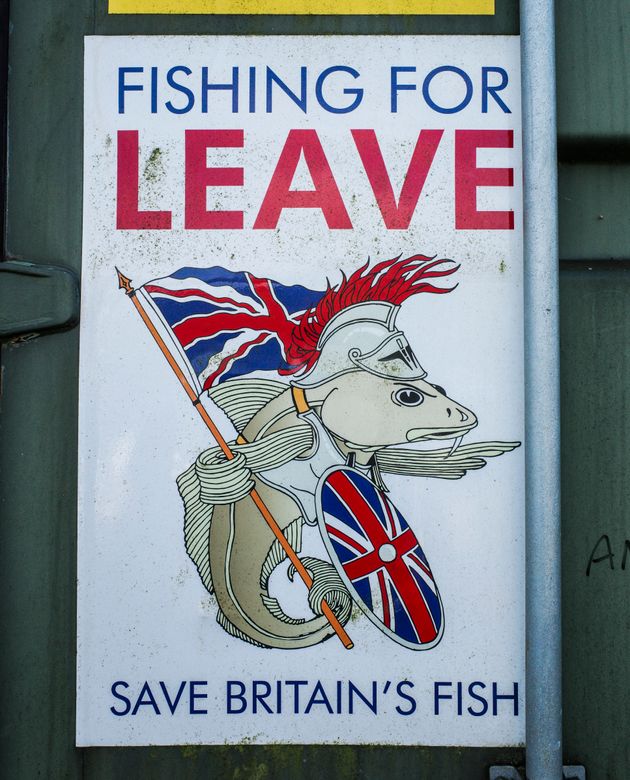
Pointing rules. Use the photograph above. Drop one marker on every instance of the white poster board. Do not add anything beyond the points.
(231, 179)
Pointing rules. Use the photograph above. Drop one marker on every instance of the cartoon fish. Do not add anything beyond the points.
(359, 395)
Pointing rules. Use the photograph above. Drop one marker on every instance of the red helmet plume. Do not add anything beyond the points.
(392, 281)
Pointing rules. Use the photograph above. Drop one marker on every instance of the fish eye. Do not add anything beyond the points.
(439, 389)
(407, 396)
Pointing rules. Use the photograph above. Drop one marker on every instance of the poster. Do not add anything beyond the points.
(301, 487)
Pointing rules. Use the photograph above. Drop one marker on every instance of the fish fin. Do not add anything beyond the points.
(442, 463)
(241, 399)
(197, 521)
(276, 554)
(231, 629)
(276, 610)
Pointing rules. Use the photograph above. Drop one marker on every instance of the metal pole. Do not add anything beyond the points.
(542, 409)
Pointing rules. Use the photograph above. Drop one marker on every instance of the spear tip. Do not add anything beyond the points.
(124, 283)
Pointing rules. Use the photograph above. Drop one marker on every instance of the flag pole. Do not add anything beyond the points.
(125, 284)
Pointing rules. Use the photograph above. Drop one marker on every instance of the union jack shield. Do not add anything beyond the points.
(379, 558)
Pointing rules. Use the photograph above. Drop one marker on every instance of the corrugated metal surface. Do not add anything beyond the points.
(594, 136)
(594, 69)
(594, 214)
(596, 498)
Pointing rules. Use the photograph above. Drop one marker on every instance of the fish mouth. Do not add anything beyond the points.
(440, 434)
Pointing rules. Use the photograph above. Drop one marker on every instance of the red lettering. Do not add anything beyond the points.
(199, 177)
(397, 216)
(325, 196)
(468, 177)
(128, 214)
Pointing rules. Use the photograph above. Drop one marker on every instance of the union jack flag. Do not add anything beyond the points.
(380, 559)
(225, 324)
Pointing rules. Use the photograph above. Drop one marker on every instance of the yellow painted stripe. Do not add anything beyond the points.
(333, 7)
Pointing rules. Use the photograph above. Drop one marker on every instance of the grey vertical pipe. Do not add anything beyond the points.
(542, 409)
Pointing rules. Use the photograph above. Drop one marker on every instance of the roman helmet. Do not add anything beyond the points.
(353, 326)
(363, 336)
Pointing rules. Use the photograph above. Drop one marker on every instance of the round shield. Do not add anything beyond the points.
(379, 558)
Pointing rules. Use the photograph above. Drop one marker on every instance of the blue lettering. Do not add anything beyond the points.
(179, 88)
(240, 687)
(231, 86)
(154, 89)
(273, 78)
(296, 692)
(124, 87)
(396, 87)
(486, 89)
(252, 90)
(260, 697)
(496, 697)
(193, 696)
(172, 705)
(149, 701)
(438, 696)
(445, 69)
(115, 686)
(319, 90)
(477, 697)
(412, 702)
(352, 690)
(318, 691)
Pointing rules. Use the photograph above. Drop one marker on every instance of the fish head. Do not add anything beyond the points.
(368, 412)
